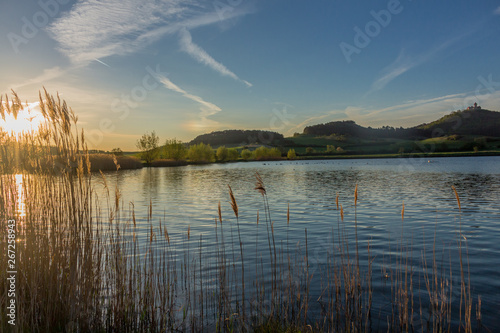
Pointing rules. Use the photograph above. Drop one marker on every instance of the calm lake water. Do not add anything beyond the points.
(188, 196)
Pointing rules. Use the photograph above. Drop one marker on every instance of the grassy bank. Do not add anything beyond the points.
(85, 263)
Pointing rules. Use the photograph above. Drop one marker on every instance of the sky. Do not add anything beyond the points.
(187, 67)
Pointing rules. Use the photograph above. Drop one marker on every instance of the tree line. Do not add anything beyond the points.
(176, 150)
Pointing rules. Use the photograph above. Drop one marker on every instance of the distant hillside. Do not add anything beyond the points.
(351, 129)
(346, 127)
(467, 122)
(476, 122)
(239, 137)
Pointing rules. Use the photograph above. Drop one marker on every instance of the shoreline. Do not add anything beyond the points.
(404, 155)
(127, 165)
(337, 157)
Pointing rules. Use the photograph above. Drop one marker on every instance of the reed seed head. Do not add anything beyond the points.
(234, 205)
(259, 185)
(115, 161)
(456, 195)
(220, 213)
(356, 195)
(167, 237)
(2, 111)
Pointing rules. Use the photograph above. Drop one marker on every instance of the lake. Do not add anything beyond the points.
(188, 197)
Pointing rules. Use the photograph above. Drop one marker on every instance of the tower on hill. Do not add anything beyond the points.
(474, 107)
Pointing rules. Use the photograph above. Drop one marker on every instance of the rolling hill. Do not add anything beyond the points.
(350, 129)
(466, 122)
(239, 138)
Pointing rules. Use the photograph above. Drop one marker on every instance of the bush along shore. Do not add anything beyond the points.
(84, 264)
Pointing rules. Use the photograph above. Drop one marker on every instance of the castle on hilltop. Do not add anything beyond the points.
(474, 107)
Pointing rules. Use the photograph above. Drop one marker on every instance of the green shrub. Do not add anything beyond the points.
(232, 154)
(222, 154)
(264, 153)
(246, 154)
(174, 150)
(201, 153)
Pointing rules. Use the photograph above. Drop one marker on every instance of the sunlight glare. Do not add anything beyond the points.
(28, 120)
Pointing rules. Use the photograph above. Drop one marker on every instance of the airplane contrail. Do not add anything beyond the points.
(102, 62)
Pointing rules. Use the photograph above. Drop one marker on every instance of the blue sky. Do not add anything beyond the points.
(183, 68)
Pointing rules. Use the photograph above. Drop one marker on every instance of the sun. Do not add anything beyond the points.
(28, 120)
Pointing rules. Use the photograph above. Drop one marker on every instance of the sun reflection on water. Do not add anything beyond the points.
(20, 196)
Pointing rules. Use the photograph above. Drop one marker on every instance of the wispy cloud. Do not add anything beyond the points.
(47, 75)
(497, 11)
(406, 114)
(203, 57)
(95, 29)
(404, 63)
(400, 66)
(207, 109)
